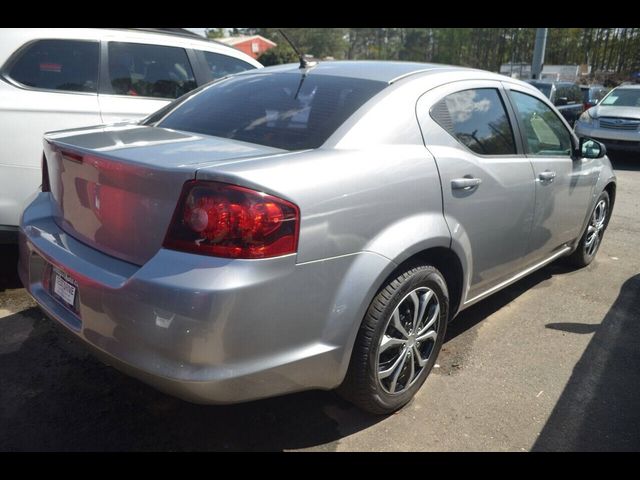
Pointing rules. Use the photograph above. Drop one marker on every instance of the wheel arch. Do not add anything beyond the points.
(606, 182)
(447, 262)
(610, 188)
(442, 258)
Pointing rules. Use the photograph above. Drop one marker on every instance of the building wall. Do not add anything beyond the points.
(254, 47)
(568, 73)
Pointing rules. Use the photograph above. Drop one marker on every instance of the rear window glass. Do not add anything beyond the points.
(66, 65)
(282, 110)
(149, 70)
(571, 93)
(543, 87)
(575, 94)
(223, 65)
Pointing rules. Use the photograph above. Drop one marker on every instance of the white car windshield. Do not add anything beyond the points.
(623, 97)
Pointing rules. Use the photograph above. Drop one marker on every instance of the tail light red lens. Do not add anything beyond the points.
(224, 220)
(46, 186)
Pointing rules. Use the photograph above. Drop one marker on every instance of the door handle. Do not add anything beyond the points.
(465, 183)
(547, 176)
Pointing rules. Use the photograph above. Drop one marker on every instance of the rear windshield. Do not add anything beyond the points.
(543, 87)
(282, 110)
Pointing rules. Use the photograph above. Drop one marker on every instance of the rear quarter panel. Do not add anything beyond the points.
(365, 211)
(385, 199)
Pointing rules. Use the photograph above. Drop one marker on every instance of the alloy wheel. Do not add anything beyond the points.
(595, 229)
(408, 340)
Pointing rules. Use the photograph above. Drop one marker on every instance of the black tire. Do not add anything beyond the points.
(361, 385)
(581, 257)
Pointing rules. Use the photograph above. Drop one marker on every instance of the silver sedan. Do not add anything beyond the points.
(308, 227)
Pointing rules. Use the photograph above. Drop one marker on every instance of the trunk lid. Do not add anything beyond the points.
(116, 187)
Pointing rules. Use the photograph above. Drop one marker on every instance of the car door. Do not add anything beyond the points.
(48, 84)
(140, 78)
(563, 184)
(487, 182)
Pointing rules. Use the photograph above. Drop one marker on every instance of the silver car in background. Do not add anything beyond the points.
(307, 228)
(615, 121)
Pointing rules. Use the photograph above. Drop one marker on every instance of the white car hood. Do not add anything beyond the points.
(619, 112)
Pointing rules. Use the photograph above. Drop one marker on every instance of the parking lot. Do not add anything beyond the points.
(550, 363)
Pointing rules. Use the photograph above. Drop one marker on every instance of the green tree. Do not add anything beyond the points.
(283, 53)
(318, 42)
(612, 50)
(415, 45)
(215, 32)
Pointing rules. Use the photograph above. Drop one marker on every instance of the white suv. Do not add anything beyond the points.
(54, 79)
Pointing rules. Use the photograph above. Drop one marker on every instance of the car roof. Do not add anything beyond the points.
(629, 86)
(377, 70)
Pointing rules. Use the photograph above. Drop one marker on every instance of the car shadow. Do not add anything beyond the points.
(475, 314)
(598, 409)
(625, 161)
(9, 267)
(55, 396)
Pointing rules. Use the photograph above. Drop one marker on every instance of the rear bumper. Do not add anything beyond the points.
(206, 329)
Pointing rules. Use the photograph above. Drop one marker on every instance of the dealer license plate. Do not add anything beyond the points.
(65, 288)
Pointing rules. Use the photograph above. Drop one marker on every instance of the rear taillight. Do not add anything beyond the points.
(46, 186)
(226, 220)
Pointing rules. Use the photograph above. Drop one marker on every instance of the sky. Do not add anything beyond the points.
(199, 31)
(202, 31)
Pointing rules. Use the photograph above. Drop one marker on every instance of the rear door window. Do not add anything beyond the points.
(477, 119)
(141, 70)
(65, 65)
(223, 65)
(543, 87)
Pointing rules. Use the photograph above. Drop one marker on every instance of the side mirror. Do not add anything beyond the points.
(560, 101)
(590, 148)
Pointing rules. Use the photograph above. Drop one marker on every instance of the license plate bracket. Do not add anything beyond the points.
(64, 288)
